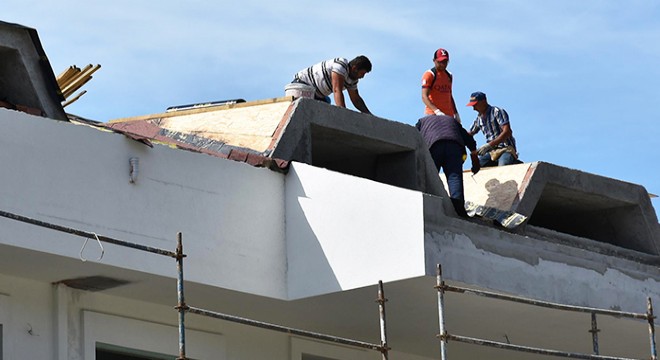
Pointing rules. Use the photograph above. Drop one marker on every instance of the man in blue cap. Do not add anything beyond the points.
(500, 148)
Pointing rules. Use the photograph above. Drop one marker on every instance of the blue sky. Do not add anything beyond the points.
(578, 78)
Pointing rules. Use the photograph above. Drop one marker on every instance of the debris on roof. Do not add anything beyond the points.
(72, 79)
(148, 132)
(204, 105)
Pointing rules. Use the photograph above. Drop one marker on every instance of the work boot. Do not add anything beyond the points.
(459, 206)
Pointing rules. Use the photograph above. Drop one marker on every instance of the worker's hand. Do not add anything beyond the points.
(475, 163)
(484, 149)
(438, 112)
(457, 117)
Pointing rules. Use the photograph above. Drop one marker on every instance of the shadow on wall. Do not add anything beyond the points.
(501, 195)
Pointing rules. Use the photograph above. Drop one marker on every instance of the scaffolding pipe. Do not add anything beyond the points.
(500, 345)
(440, 286)
(292, 331)
(594, 333)
(182, 307)
(651, 319)
(615, 313)
(87, 234)
(383, 328)
(181, 302)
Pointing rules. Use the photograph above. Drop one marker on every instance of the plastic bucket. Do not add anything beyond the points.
(298, 90)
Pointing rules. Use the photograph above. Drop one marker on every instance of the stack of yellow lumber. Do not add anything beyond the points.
(72, 79)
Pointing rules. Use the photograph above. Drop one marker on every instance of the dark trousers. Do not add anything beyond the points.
(448, 156)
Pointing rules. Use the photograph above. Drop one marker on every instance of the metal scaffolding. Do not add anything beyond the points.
(445, 336)
(182, 308)
(441, 287)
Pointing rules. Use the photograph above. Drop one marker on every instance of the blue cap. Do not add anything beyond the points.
(476, 96)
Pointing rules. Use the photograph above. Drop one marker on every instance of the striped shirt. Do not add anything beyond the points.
(320, 76)
(491, 125)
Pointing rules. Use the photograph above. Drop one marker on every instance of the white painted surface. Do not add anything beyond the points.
(345, 232)
(304, 349)
(26, 310)
(231, 214)
(147, 336)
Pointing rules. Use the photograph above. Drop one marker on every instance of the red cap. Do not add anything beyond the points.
(441, 54)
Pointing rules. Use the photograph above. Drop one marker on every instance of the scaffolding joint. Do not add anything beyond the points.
(183, 306)
(443, 337)
(442, 286)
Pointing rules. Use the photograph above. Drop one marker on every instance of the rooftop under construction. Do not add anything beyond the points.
(296, 211)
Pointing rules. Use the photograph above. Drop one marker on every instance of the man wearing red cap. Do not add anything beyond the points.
(436, 87)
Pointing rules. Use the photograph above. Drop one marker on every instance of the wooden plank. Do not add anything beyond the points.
(203, 110)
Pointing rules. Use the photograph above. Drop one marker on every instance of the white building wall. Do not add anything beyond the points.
(233, 218)
(35, 327)
(326, 238)
(230, 214)
(234, 224)
(44, 321)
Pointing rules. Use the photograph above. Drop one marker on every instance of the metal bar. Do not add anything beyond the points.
(594, 332)
(459, 289)
(284, 329)
(440, 286)
(500, 345)
(383, 328)
(181, 302)
(651, 318)
(87, 234)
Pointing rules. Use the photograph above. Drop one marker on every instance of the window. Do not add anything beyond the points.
(303, 349)
(4, 319)
(111, 352)
(111, 337)
(314, 357)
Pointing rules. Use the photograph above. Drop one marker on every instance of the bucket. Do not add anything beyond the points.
(298, 90)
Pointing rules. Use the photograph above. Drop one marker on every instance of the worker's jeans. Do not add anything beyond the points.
(505, 159)
(448, 156)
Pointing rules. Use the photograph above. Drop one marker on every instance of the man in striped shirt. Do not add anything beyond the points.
(333, 76)
(500, 147)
